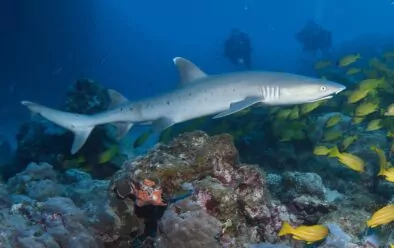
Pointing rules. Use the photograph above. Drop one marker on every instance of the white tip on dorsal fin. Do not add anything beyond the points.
(116, 98)
(188, 72)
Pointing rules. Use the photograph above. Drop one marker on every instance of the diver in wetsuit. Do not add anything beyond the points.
(314, 38)
(237, 48)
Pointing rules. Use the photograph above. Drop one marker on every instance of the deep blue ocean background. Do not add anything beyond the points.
(129, 45)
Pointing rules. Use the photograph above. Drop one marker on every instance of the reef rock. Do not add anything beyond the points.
(229, 191)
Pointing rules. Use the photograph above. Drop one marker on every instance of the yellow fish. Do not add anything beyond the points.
(372, 83)
(353, 71)
(348, 141)
(322, 64)
(332, 135)
(309, 234)
(391, 245)
(103, 158)
(321, 151)
(385, 168)
(283, 114)
(357, 120)
(366, 108)
(333, 120)
(349, 160)
(107, 155)
(294, 113)
(383, 216)
(390, 110)
(142, 139)
(358, 95)
(348, 60)
(309, 107)
(374, 125)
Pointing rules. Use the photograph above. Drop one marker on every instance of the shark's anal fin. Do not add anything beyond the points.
(80, 137)
(116, 98)
(122, 128)
(238, 106)
(188, 72)
(161, 124)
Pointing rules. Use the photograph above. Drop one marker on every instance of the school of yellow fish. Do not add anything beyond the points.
(368, 104)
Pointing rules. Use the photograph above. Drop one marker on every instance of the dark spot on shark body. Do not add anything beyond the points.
(168, 102)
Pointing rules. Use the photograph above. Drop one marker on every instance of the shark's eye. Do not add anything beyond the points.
(323, 88)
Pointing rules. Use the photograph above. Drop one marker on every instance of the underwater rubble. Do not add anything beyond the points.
(229, 204)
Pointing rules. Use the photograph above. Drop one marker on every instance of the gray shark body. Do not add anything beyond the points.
(198, 95)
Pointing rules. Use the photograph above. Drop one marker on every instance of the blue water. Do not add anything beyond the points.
(129, 45)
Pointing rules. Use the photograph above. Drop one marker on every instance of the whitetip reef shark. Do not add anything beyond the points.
(198, 95)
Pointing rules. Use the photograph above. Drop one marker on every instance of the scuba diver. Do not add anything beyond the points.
(314, 38)
(237, 48)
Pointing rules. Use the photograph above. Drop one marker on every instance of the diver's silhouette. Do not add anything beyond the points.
(314, 38)
(237, 48)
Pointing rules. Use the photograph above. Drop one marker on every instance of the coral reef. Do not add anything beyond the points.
(231, 204)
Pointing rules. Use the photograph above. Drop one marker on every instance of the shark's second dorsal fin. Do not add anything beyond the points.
(188, 72)
(116, 99)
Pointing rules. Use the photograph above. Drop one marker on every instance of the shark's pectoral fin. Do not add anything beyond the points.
(122, 128)
(188, 72)
(116, 98)
(161, 124)
(238, 106)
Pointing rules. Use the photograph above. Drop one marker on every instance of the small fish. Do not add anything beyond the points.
(358, 95)
(390, 110)
(309, 234)
(309, 107)
(353, 71)
(142, 139)
(392, 245)
(322, 64)
(283, 114)
(57, 71)
(332, 135)
(294, 115)
(348, 60)
(385, 168)
(374, 125)
(107, 155)
(383, 216)
(357, 120)
(321, 150)
(349, 160)
(372, 83)
(348, 141)
(333, 120)
(366, 108)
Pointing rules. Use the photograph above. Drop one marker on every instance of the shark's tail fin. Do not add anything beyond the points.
(80, 125)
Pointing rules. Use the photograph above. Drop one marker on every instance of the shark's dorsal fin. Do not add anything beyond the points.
(188, 72)
(116, 98)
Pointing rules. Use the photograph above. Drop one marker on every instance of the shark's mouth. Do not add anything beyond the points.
(340, 90)
(322, 98)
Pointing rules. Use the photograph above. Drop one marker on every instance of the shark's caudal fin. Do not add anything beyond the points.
(188, 72)
(80, 125)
